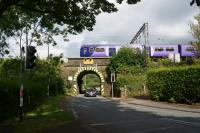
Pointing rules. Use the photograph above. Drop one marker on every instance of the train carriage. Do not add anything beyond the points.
(161, 51)
(98, 50)
(154, 51)
(187, 50)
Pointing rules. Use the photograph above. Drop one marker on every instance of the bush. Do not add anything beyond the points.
(130, 76)
(127, 57)
(34, 82)
(197, 61)
(129, 66)
(180, 84)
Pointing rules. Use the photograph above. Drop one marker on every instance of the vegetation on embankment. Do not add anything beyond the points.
(50, 114)
(35, 84)
(137, 75)
(130, 67)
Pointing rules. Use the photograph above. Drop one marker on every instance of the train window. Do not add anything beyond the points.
(91, 50)
(190, 49)
(100, 49)
(112, 51)
(84, 50)
(169, 49)
(158, 49)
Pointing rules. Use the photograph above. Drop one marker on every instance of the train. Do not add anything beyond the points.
(154, 51)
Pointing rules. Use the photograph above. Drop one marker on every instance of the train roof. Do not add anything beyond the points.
(168, 44)
(151, 45)
(90, 45)
(95, 45)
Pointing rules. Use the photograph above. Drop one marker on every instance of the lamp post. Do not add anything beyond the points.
(112, 79)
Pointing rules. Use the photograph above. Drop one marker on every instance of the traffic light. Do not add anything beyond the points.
(30, 57)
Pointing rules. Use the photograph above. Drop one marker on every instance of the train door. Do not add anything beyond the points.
(112, 51)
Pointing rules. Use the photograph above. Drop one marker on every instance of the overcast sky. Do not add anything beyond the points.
(168, 24)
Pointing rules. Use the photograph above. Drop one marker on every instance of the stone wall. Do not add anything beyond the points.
(75, 62)
(70, 67)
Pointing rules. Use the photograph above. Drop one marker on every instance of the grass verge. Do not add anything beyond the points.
(50, 114)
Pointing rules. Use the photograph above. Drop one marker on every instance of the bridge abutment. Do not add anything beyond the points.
(75, 68)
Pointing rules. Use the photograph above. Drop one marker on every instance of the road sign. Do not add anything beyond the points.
(112, 78)
(70, 78)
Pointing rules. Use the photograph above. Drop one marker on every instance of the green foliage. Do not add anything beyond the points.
(195, 1)
(130, 67)
(180, 84)
(34, 82)
(195, 30)
(91, 80)
(165, 62)
(48, 115)
(197, 61)
(127, 57)
(133, 77)
(47, 18)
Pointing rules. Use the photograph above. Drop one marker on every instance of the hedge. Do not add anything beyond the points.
(180, 84)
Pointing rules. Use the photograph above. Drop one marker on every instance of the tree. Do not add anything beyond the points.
(54, 17)
(195, 29)
(129, 67)
(29, 32)
(195, 1)
(91, 81)
(127, 57)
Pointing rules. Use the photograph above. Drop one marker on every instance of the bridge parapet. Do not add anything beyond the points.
(75, 62)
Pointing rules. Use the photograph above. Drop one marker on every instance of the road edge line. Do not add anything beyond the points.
(73, 111)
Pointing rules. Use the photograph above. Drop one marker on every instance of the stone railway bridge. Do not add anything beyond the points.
(74, 69)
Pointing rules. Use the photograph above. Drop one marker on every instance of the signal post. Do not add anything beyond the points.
(29, 63)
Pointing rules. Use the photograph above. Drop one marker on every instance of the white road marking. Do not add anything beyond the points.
(101, 124)
(119, 122)
(153, 129)
(182, 122)
(73, 111)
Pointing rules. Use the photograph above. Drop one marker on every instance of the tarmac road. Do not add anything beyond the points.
(102, 115)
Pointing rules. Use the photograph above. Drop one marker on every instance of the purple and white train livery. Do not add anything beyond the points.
(160, 51)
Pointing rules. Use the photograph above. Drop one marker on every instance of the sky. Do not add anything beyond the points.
(168, 24)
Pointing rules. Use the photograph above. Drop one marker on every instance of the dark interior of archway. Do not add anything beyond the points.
(80, 79)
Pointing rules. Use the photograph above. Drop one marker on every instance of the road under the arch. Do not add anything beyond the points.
(80, 79)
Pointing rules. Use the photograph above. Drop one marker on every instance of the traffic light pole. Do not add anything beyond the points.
(27, 62)
(21, 92)
(112, 79)
(48, 72)
(112, 91)
(23, 67)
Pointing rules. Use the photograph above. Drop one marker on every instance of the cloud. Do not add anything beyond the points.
(166, 18)
(170, 11)
(168, 23)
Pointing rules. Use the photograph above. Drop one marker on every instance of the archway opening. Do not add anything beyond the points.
(88, 79)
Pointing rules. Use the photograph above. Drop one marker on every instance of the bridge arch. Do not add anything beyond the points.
(84, 71)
